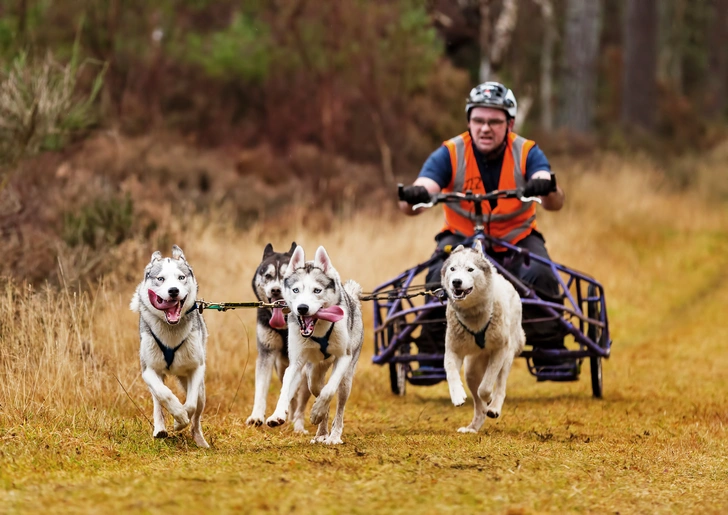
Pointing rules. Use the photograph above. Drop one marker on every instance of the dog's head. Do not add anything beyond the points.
(169, 287)
(268, 280)
(312, 290)
(465, 270)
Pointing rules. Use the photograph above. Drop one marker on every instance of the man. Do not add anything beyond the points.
(487, 157)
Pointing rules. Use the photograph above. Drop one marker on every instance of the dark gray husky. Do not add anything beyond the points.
(272, 336)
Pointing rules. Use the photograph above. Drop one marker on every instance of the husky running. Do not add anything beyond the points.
(483, 330)
(173, 339)
(272, 336)
(325, 329)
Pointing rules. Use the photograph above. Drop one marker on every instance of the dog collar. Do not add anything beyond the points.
(323, 341)
(480, 335)
(168, 352)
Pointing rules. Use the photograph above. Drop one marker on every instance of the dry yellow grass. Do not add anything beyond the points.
(73, 441)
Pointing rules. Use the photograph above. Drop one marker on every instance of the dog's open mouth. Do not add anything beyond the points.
(460, 293)
(308, 323)
(172, 308)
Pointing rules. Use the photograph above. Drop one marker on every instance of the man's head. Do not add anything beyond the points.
(491, 109)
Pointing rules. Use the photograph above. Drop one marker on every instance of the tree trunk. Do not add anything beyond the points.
(639, 87)
(581, 46)
(547, 64)
(494, 41)
(718, 61)
(485, 31)
(671, 16)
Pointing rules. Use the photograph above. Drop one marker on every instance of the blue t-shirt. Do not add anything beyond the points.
(439, 169)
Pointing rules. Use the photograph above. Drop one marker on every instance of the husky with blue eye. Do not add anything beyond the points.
(173, 339)
(325, 330)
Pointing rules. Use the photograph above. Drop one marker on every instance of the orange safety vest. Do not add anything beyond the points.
(511, 220)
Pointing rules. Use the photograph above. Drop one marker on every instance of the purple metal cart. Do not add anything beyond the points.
(583, 315)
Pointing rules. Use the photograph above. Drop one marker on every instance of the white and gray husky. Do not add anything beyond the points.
(324, 329)
(272, 337)
(483, 330)
(173, 339)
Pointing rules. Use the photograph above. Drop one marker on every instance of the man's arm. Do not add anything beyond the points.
(554, 200)
(538, 167)
(432, 188)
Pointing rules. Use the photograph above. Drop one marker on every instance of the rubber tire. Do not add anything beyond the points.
(397, 371)
(595, 334)
(397, 378)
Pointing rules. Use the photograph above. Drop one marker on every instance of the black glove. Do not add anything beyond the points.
(414, 195)
(540, 187)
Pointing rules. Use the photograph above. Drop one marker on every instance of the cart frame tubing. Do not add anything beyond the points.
(385, 350)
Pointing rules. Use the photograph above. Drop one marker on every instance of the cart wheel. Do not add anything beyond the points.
(398, 378)
(398, 370)
(594, 310)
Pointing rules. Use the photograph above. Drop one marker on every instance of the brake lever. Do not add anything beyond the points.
(531, 199)
(423, 205)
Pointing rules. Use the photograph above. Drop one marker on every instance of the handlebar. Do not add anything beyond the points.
(469, 196)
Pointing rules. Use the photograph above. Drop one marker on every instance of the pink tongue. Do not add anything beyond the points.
(160, 303)
(277, 321)
(332, 314)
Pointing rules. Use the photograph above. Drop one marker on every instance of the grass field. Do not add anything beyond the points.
(73, 440)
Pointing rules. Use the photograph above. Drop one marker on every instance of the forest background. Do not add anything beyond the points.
(118, 119)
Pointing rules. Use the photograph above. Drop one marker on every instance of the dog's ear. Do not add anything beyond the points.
(298, 259)
(268, 250)
(459, 248)
(157, 256)
(479, 247)
(322, 260)
(485, 265)
(177, 253)
(293, 247)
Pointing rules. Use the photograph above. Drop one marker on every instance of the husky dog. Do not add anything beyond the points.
(173, 340)
(483, 329)
(272, 333)
(324, 328)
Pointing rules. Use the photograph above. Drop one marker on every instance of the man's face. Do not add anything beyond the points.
(488, 127)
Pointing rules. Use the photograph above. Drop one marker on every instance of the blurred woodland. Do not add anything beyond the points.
(121, 119)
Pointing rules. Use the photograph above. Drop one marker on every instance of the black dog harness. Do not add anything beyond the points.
(480, 335)
(323, 341)
(168, 352)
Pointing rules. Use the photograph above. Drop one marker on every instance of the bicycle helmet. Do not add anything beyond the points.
(492, 94)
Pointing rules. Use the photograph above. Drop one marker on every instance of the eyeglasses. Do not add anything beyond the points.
(493, 123)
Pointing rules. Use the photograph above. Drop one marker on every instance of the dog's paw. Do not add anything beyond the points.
(276, 420)
(299, 429)
(200, 441)
(254, 421)
(458, 396)
(467, 429)
(333, 440)
(162, 433)
(492, 413)
(181, 421)
(319, 410)
(319, 439)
